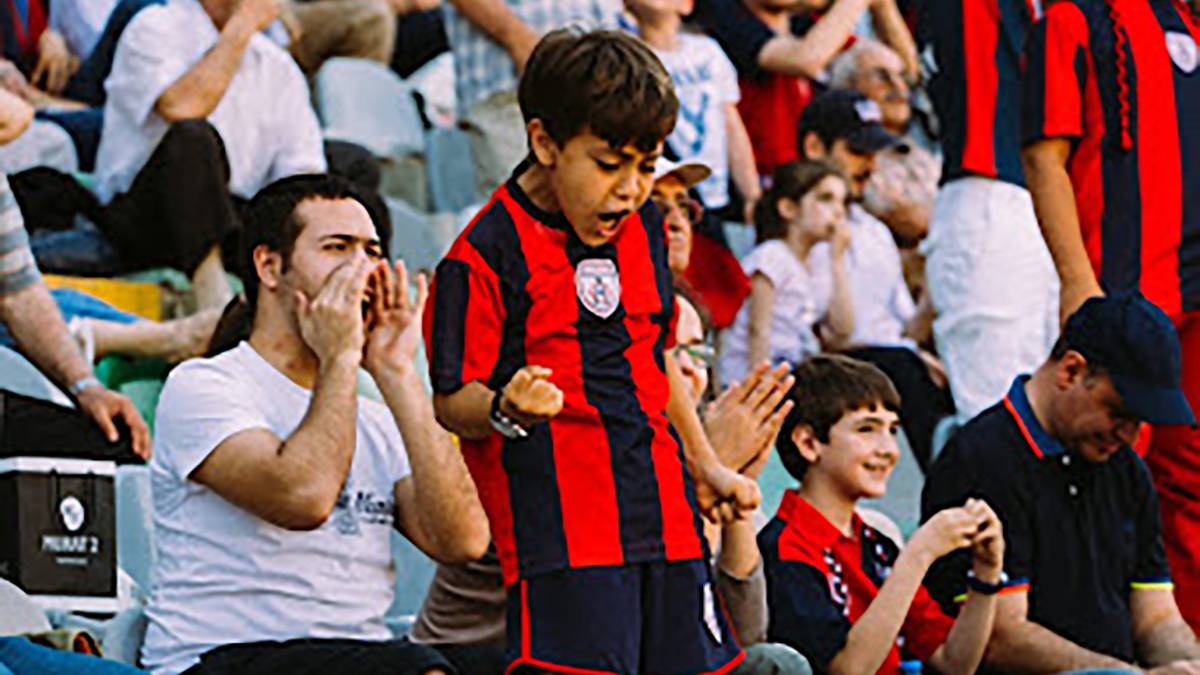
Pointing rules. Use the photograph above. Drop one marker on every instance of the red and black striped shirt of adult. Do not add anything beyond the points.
(1135, 158)
(604, 482)
(976, 89)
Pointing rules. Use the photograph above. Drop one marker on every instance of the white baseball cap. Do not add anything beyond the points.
(690, 172)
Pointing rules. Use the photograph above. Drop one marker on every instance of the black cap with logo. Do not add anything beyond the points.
(841, 113)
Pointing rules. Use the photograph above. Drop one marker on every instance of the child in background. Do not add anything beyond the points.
(709, 128)
(799, 292)
(840, 592)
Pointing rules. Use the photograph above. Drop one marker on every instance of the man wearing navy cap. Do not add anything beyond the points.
(1087, 579)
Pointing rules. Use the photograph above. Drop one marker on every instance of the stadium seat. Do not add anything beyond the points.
(451, 171)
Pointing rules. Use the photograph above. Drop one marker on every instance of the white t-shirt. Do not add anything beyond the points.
(706, 83)
(265, 118)
(222, 574)
(802, 297)
(882, 301)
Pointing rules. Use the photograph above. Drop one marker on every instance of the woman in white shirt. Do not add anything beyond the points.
(799, 292)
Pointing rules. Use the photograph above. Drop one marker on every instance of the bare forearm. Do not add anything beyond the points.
(964, 646)
(841, 305)
(681, 411)
(198, 92)
(873, 635)
(1027, 647)
(809, 55)
(739, 549)
(37, 327)
(1054, 202)
(891, 28)
(316, 457)
(450, 515)
(466, 411)
(741, 156)
(1168, 642)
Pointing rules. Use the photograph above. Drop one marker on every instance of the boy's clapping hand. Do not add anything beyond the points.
(530, 397)
(972, 525)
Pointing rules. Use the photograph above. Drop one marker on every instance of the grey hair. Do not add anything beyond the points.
(845, 65)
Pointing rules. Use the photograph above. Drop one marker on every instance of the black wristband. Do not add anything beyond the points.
(982, 587)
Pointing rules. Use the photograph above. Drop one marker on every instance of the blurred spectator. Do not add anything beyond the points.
(276, 488)
(420, 36)
(799, 289)
(201, 109)
(491, 41)
(1088, 584)
(845, 128)
(709, 127)
(31, 318)
(991, 279)
(1111, 150)
(905, 178)
(780, 46)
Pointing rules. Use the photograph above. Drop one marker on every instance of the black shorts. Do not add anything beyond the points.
(321, 657)
(649, 618)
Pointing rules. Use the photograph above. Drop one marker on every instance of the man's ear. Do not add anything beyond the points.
(813, 147)
(268, 265)
(807, 443)
(1070, 369)
(544, 148)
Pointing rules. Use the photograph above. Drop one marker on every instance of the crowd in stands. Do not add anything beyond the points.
(711, 244)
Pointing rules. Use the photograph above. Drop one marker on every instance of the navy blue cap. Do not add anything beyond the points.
(1136, 343)
(841, 113)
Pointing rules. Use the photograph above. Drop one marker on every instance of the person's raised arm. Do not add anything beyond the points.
(437, 506)
(742, 168)
(762, 310)
(968, 638)
(494, 18)
(874, 633)
(1045, 164)
(295, 482)
(838, 325)
(198, 91)
(808, 55)
(889, 25)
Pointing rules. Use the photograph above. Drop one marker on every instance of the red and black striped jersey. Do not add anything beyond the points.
(1120, 79)
(976, 88)
(604, 482)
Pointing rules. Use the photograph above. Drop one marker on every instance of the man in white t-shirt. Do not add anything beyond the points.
(201, 107)
(845, 128)
(276, 488)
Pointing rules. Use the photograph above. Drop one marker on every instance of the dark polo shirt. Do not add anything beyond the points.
(1079, 536)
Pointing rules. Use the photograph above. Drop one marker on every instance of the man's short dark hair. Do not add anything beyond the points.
(829, 386)
(605, 82)
(270, 219)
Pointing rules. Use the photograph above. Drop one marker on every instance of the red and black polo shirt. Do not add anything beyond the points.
(820, 581)
(977, 85)
(1121, 80)
(604, 482)
(1079, 536)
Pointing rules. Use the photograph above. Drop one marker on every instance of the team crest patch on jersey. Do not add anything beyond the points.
(1182, 49)
(598, 286)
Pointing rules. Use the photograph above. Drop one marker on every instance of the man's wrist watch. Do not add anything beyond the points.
(78, 386)
(503, 424)
(982, 587)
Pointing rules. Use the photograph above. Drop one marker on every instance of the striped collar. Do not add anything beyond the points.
(1040, 441)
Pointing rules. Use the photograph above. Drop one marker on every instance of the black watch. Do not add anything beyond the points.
(982, 587)
(503, 424)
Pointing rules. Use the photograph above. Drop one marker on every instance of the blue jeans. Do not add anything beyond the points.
(71, 304)
(19, 656)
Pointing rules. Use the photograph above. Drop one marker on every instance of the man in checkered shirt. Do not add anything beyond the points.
(491, 40)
